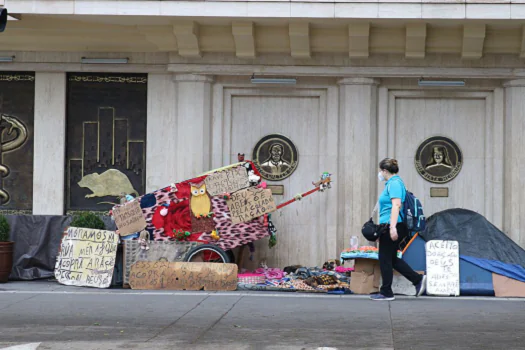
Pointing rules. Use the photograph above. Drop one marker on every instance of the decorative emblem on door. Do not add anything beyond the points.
(276, 157)
(12, 140)
(438, 159)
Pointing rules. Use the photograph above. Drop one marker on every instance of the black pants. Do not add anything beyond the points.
(388, 260)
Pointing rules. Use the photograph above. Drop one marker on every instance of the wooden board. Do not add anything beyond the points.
(162, 275)
(87, 258)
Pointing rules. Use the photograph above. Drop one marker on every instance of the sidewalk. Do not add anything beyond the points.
(47, 286)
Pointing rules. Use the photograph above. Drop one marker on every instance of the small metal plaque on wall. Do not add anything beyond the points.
(438, 191)
(277, 190)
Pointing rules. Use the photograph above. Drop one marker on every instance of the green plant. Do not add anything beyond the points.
(4, 229)
(88, 220)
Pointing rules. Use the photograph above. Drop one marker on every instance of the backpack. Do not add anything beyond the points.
(413, 215)
(412, 212)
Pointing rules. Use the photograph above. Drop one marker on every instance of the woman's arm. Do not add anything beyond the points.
(396, 208)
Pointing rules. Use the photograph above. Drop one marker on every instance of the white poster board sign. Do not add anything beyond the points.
(442, 267)
(87, 258)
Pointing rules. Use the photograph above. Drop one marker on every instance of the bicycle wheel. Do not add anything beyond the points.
(207, 253)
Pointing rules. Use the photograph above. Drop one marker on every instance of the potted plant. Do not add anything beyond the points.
(88, 220)
(6, 250)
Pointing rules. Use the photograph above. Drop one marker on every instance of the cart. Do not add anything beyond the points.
(195, 215)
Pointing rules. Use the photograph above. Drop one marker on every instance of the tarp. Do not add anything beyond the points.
(37, 238)
(473, 280)
(480, 242)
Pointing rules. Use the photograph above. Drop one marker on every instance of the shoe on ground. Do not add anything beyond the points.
(381, 297)
(421, 287)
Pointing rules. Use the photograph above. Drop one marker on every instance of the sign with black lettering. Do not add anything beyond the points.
(250, 203)
(129, 218)
(87, 258)
(227, 181)
(442, 267)
(166, 275)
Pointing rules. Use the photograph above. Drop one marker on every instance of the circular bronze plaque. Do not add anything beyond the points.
(438, 159)
(275, 156)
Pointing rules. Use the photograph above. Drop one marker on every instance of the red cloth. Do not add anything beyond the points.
(178, 218)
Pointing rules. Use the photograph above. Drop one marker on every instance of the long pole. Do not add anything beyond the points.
(282, 205)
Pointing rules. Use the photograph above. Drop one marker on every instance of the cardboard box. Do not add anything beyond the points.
(507, 287)
(365, 277)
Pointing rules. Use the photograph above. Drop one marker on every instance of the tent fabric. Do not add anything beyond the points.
(473, 280)
(480, 242)
(37, 238)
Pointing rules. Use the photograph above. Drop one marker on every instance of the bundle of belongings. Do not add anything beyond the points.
(332, 278)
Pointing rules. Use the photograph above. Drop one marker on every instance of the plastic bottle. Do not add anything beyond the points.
(354, 242)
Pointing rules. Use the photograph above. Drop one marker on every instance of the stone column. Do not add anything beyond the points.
(161, 149)
(193, 131)
(514, 159)
(357, 180)
(49, 144)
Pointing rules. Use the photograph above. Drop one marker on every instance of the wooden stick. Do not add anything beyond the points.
(282, 205)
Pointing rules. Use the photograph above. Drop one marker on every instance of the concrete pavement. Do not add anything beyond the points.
(52, 316)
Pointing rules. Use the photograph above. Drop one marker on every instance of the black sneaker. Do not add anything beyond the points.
(421, 287)
(381, 297)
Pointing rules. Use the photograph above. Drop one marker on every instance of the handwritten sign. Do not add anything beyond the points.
(442, 267)
(227, 181)
(129, 218)
(160, 275)
(250, 203)
(86, 258)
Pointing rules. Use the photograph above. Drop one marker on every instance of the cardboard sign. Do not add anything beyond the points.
(227, 181)
(250, 203)
(183, 276)
(442, 267)
(129, 218)
(87, 258)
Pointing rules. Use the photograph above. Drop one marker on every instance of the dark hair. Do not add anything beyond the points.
(390, 165)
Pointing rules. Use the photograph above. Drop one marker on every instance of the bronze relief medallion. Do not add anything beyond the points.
(276, 157)
(438, 159)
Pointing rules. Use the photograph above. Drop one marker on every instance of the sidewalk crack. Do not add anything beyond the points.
(215, 323)
(391, 324)
(177, 320)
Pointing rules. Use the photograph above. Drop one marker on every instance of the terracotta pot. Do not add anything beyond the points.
(6, 260)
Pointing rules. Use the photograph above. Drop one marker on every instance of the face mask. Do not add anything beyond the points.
(380, 176)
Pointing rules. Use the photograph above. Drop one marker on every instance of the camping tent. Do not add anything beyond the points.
(490, 262)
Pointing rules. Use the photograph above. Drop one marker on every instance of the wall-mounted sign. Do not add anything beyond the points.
(276, 157)
(438, 159)
(438, 191)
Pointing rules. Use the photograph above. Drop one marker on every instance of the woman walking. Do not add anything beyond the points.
(393, 230)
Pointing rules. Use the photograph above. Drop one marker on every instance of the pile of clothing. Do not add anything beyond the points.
(332, 278)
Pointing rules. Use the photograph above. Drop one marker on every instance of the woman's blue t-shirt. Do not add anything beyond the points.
(394, 188)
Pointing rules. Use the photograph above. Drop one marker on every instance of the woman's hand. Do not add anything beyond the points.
(393, 233)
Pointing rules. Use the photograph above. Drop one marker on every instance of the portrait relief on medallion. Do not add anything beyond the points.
(276, 157)
(438, 159)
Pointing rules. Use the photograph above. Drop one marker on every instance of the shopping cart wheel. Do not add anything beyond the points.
(207, 253)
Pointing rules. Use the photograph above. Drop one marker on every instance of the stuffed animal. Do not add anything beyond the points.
(200, 202)
(254, 179)
(144, 242)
